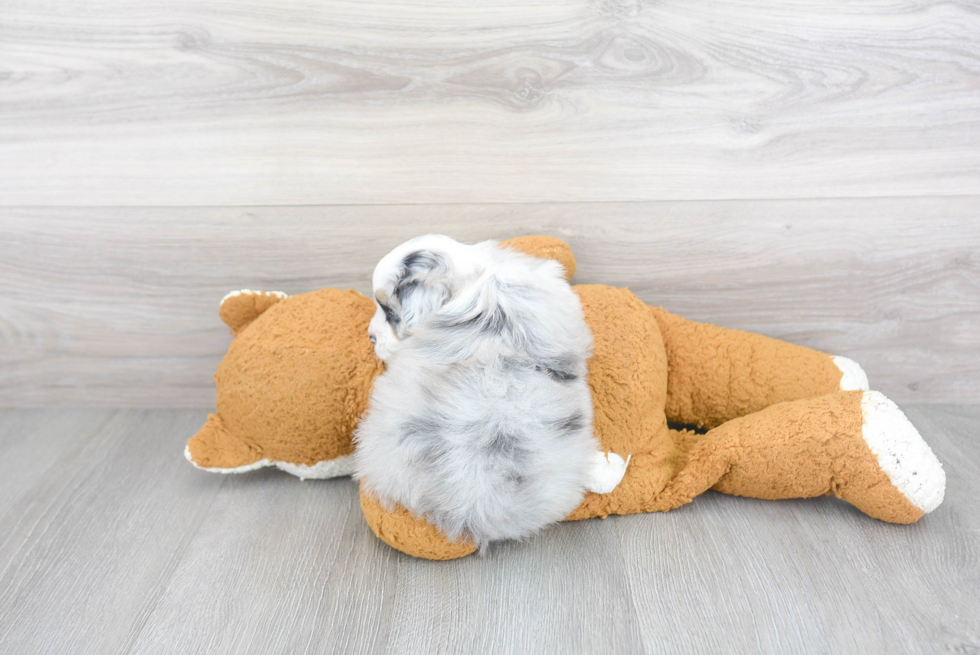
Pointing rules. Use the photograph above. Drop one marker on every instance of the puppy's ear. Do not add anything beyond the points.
(422, 287)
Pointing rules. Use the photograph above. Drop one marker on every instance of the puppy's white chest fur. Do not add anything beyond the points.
(482, 421)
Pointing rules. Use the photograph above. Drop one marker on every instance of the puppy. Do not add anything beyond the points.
(482, 420)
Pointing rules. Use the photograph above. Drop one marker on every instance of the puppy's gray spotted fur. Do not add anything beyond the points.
(482, 421)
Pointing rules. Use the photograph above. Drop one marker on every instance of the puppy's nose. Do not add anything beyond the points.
(373, 338)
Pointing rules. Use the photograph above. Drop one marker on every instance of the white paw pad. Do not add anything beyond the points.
(905, 458)
(854, 378)
(607, 472)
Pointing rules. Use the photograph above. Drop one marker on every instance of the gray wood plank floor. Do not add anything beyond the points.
(111, 543)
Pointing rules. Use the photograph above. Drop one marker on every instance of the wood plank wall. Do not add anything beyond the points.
(118, 306)
(262, 102)
(807, 169)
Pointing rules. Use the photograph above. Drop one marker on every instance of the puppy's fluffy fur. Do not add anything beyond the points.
(482, 420)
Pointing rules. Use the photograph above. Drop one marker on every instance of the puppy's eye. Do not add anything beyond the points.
(373, 338)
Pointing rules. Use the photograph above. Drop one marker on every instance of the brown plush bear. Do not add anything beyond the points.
(783, 421)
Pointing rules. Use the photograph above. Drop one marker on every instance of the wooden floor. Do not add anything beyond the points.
(111, 543)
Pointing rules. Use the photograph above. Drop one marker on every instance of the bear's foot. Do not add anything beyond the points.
(853, 377)
(903, 456)
(856, 445)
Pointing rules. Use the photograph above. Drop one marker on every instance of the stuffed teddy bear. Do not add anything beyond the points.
(771, 419)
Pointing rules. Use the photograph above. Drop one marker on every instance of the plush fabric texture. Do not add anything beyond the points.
(717, 374)
(294, 383)
(545, 248)
(411, 535)
(298, 375)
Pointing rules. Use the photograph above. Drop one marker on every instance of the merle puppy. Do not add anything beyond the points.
(482, 420)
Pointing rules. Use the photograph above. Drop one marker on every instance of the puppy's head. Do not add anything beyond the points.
(413, 281)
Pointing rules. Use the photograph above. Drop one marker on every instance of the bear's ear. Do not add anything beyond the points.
(422, 285)
(240, 308)
(544, 247)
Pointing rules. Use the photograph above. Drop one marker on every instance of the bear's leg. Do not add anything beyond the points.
(716, 374)
(857, 445)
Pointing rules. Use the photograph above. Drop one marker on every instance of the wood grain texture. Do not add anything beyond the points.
(177, 102)
(114, 544)
(117, 307)
(810, 575)
(96, 534)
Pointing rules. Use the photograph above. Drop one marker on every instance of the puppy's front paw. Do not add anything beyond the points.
(607, 472)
